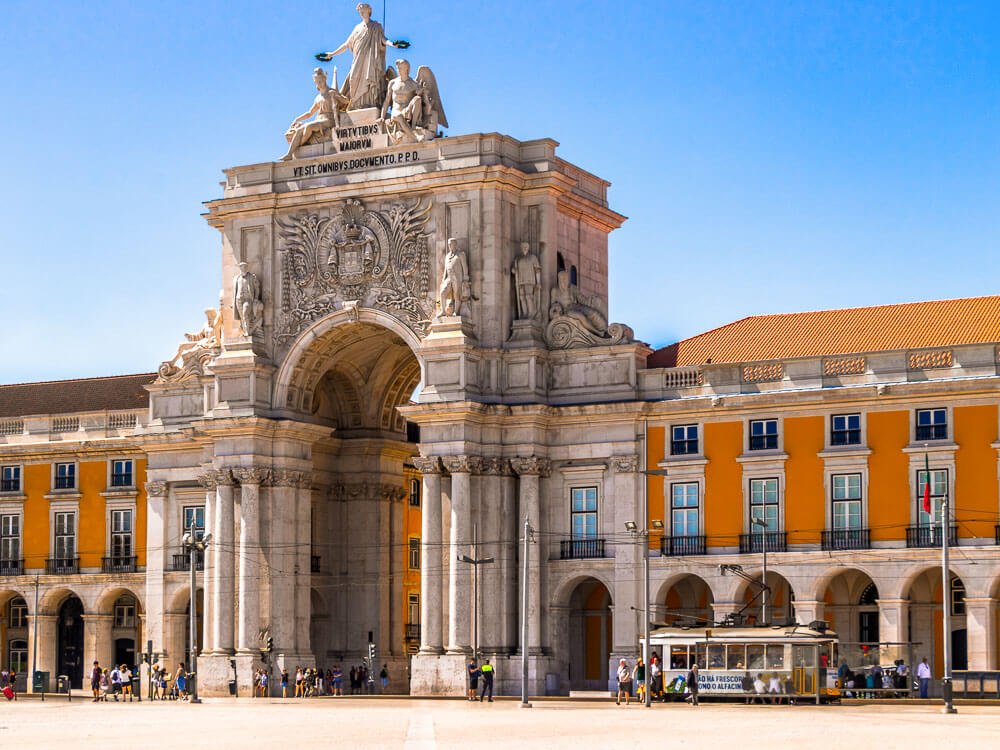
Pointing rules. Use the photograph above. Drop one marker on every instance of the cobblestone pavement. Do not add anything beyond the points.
(426, 724)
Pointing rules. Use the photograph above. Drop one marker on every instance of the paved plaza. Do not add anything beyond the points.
(417, 724)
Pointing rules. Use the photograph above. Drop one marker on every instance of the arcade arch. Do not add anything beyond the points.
(589, 635)
(780, 600)
(684, 601)
(926, 617)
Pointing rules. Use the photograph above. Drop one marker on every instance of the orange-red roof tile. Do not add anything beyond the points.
(67, 396)
(915, 325)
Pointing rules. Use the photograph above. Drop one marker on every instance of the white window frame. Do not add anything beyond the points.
(125, 615)
(828, 425)
(949, 424)
(20, 478)
(669, 439)
(17, 519)
(699, 514)
(195, 508)
(937, 499)
(860, 499)
(416, 491)
(779, 426)
(413, 607)
(75, 486)
(22, 611)
(22, 661)
(115, 513)
(413, 550)
(75, 515)
(779, 503)
(595, 512)
(111, 475)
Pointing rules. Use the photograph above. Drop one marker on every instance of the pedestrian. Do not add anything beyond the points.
(384, 677)
(95, 681)
(126, 675)
(639, 679)
(774, 688)
(487, 671)
(105, 684)
(329, 682)
(180, 682)
(354, 679)
(12, 684)
(473, 671)
(655, 676)
(924, 676)
(692, 681)
(760, 689)
(624, 683)
(299, 676)
(746, 685)
(338, 680)
(265, 680)
(116, 682)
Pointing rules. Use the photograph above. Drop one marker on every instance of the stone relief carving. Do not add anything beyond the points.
(156, 489)
(455, 288)
(287, 478)
(412, 110)
(325, 112)
(223, 477)
(247, 304)
(494, 466)
(430, 465)
(462, 464)
(196, 352)
(374, 258)
(625, 464)
(576, 319)
(207, 480)
(526, 274)
(531, 465)
(252, 474)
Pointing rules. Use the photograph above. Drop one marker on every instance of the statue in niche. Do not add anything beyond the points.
(412, 111)
(576, 319)
(247, 305)
(366, 81)
(326, 111)
(197, 349)
(527, 275)
(455, 287)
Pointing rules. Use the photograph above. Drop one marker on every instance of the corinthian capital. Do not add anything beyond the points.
(462, 464)
(625, 464)
(223, 477)
(156, 489)
(252, 474)
(207, 480)
(286, 478)
(531, 465)
(496, 466)
(430, 465)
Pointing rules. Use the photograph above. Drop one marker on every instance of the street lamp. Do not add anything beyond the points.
(643, 536)
(193, 544)
(475, 562)
(763, 548)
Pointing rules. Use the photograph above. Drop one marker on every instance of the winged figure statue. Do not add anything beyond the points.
(412, 111)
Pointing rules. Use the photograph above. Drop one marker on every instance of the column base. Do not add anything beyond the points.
(445, 674)
(214, 674)
(247, 663)
(438, 674)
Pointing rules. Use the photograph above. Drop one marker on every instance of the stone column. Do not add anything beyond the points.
(461, 469)
(980, 623)
(281, 559)
(223, 543)
(492, 535)
(156, 556)
(530, 470)
(893, 618)
(806, 611)
(627, 592)
(250, 479)
(97, 643)
(47, 645)
(303, 564)
(431, 594)
(396, 542)
(208, 565)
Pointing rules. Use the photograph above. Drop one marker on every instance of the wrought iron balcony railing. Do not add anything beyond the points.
(929, 536)
(119, 564)
(676, 546)
(62, 565)
(180, 561)
(771, 541)
(11, 567)
(836, 539)
(580, 549)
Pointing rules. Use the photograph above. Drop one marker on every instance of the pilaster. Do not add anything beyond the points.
(530, 470)
(431, 588)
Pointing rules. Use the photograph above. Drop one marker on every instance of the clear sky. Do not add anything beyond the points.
(770, 156)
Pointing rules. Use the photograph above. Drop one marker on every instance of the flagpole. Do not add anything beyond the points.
(946, 687)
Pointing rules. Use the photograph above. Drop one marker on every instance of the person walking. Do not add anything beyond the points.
(384, 677)
(338, 680)
(284, 682)
(639, 679)
(473, 670)
(299, 676)
(95, 681)
(624, 683)
(655, 676)
(126, 675)
(116, 682)
(487, 672)
(924, 676)
(692, 681)
(105, 684)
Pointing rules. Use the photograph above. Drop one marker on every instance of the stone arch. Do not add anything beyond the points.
(923, 588)
(106, 599)
(307, 361)
(829, 576)
(564, 591)
(849, 597)
(684, 599)
(589, 631)
(780, 603)
(53, 599)
(7, 595)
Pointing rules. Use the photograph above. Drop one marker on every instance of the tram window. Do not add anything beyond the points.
(755, 657)
(775, 657)
(716, 656)
(735, 656)
(699, 655)
(678, 657)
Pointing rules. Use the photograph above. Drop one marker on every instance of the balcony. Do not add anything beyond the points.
(314, 564)
(62, 565)
(181, 562)
(122, 480)
(581, 549)
(771, 541)
(839, 539)
(11, 567)
(677, 546)
(10, 485)
(412, 632)
(930, 536)
(119, 564)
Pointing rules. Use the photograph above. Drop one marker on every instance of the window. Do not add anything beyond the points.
(846, 502)
(764, 503)
(18, 656)
(65, 539)
(932, 424)
(18, 613)
(121, 473)
(845, 429)
(194, 520)
(413, 609)
(764, 434)
(939, 488)
(10, 538)
(957, 596)
(125, 613)
(683, 440)
(414, 493)
(583, 512)
(65, 476)
(10, 479)
(684, 509)
(414, 550)
(121, 533)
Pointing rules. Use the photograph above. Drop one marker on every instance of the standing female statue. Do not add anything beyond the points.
(365, 83)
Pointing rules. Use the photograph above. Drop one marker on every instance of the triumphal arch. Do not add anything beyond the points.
(391, 297)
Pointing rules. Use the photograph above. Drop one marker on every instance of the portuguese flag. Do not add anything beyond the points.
(927, 486)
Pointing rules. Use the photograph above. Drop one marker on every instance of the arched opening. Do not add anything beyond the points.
(590, 636)
(199, 625)
(780, 601)
(926, 619)
(69, 636)
(15, 647)
(319, 628)
(851, 606)
(125, 629)
(688, 601)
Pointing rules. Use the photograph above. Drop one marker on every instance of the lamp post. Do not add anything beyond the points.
(643, 538)
(946, 688)
(475, 562)
(763, 548)
(194, 545)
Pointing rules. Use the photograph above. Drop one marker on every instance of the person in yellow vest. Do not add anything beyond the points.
(487, 672)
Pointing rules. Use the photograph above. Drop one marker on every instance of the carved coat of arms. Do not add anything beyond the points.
(377, 258)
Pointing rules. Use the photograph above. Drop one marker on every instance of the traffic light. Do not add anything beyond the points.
(371, 653)
(270, 644)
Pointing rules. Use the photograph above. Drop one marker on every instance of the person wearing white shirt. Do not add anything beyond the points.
(774, 688)
(924, 675)
(760, 688)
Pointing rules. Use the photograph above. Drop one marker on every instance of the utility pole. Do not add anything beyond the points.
(194, 546)
(949, 707)
(475, 561)
(34, 639)
(763, 548)
(524, 617)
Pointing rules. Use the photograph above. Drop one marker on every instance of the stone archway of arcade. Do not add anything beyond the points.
(586, 641)
(74, 627)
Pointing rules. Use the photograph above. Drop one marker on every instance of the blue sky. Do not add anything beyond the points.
(771, 157)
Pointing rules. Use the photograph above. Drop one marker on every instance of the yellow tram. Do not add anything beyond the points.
(790, 662)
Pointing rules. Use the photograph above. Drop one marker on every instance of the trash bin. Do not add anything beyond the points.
(232, 687)
(62, 684)
(40, 682)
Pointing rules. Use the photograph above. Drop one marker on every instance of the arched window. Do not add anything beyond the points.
(18, 614)
(125, 612)
(869, 597)
(18, 656)
(957, 596)
(560, 262)
(572, 275)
